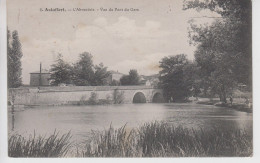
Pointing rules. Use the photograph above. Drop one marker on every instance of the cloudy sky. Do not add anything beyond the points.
(121, 40)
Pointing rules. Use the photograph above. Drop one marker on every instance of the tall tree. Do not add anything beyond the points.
(173, 79)
(218, 59)
(84, 70)
(14, 55)
(61, 72)
(101, 74)
(192, 79)
(134, 77)
(131, 79)
(224, 49)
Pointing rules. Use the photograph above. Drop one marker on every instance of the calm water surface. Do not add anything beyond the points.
(80, 120)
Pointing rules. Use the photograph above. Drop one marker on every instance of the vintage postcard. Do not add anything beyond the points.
(132, 78)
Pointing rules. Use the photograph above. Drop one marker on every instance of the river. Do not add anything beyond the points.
(80, 120)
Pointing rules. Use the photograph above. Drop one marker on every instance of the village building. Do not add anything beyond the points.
(40, 78)
(152, 80)
(114, 76)
(144, 81)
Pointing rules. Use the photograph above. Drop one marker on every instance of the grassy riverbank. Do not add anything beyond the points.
(238, 101)
(156, 139)
(237, 105)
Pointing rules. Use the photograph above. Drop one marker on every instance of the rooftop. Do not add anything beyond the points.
(44, 71)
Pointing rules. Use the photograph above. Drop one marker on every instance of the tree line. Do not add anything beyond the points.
(85, 73)
(81, 73)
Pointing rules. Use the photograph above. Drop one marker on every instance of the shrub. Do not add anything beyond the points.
(118, 96)
(93, 99)
(104, 102)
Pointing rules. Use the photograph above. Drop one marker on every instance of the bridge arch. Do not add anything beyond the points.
(158, 98)
(139, 97)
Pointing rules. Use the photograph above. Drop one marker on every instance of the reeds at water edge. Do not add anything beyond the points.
(160, 139)
(154, 139)
(55, 145)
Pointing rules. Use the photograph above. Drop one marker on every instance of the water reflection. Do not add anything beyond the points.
(12, 121)
(12, 112)
(82, 119)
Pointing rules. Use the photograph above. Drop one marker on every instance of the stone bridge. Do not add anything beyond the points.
(70, 94)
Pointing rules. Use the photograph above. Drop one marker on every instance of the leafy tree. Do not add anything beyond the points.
(14, 55)
(124, 80)
(173, 79)
(192, 78)
(101, 74)
(61, 72)
(216, 57)
(134, 77)
(131, 79)
(83, 70)
(224, 49)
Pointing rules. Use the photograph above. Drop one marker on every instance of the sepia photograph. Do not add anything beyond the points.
(129, 79)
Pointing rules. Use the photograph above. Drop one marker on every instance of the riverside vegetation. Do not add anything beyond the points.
(53, 146)
(155, 139)
(116, 98)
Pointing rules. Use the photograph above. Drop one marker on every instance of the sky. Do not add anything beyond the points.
(121, 40)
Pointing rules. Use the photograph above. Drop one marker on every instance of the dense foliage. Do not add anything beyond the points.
(131, 79)
(84, 70)
(224, 48)
(101, 74)
(85, 73)
(177, 77)
(82, 73)
(61, 72)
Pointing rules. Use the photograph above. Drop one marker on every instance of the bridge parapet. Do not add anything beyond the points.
(93, 88)
(63, 95)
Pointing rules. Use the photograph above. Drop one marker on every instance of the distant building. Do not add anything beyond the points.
(114, 76)
(40, 79)
(152, 80)
(143, 81)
